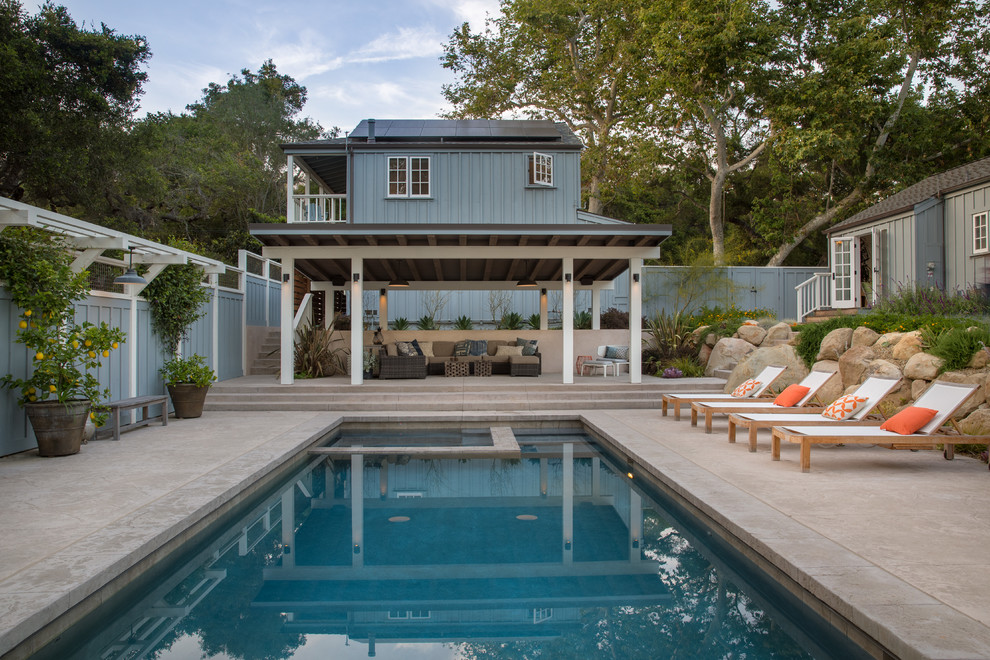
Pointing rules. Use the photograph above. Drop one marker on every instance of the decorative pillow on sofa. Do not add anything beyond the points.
(407, 348)
(844, 407)
(478, 347)
(746, 388)
(425, 347)
(391, 350)
(529, 346)
(507, 350)
(791, 395)
(909, 420)
(616, 352)
(462, 348)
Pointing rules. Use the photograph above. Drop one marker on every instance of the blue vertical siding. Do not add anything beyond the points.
(231, 344)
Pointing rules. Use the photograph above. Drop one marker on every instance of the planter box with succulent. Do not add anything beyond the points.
(177, 298)
(188, 381)
(61, 391)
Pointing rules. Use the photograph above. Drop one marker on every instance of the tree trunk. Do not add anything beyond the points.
(715, 220)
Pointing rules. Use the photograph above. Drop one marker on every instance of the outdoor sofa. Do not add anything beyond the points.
(394, 365)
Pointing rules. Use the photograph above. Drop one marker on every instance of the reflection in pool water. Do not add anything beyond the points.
(556, 554)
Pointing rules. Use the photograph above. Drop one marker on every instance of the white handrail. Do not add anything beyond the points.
(319, 208)
(812, 294)
(302, 312)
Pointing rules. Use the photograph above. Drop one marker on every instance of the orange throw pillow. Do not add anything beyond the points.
(746, 388)
(791, 395)
(844, 407)
(909, 420)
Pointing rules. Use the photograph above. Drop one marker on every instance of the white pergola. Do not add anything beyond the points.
(359, 256)
(91, 240)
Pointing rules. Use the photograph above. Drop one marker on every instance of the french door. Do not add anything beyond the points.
(845, 272)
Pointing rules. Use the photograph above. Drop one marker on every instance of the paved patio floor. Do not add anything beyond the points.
(899, 542)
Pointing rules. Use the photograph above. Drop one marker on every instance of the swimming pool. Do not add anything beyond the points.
(562, 551)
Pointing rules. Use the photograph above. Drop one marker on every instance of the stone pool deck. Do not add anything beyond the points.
(896, 542)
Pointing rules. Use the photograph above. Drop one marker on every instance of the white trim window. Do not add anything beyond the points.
(981, 243)
(408, 176)
(540, 169)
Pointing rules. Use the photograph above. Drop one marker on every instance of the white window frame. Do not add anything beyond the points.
(541, 169)
(981, 233)
(408, 179)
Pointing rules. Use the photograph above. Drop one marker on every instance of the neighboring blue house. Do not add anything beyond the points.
(450, 205)
(934, 233)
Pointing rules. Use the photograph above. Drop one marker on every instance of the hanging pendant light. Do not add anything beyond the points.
(130, 276)
(527, 282)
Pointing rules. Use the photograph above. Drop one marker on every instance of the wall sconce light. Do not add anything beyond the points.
(567, 277)
(357, 548)
(357, 277)
(543, 292)
(635, 543)
(286, 550)
(286, 277)
(567, 544)
(381, 292)
(635, 277)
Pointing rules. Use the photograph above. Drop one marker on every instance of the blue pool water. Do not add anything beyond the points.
(565, 552)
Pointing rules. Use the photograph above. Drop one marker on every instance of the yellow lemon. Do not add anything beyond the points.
(114, 345)
(89, 343)
(106, 353)
(27, 312)
(39, 356)
(31, 391)
(92, 416)
(52, 388)
(22, 325)
(51, 340)
(32, 398)
(92, 354)
(75, 344)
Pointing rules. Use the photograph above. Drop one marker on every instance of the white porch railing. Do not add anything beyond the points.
(814, 293)
(319, 208)
(304, 313)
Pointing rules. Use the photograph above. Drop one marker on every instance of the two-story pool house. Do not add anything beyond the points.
(451, 205)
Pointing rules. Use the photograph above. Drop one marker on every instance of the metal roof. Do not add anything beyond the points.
(428, 130)
(934, 186)
(438, 254)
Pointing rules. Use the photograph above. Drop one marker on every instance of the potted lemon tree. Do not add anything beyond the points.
(176, 299)
(61, 391)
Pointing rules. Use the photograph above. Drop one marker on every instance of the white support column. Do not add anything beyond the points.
(596, 308)
(635, 525)
(567, 319)
(544, 311)
(357, 510)
(383, 309)
(132, 351)
(215, 321)
(567, 503)
(289, 527)
(357, 320)
(290, 185)
(635, 320)
(286, 362)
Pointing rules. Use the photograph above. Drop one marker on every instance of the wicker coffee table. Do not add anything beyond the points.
(483, 368)
(452, 368)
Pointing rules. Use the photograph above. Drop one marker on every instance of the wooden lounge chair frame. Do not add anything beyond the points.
(766, 378)
(814, 380)
(927, 437)
(863, 417)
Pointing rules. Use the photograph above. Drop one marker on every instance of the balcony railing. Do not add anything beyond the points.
(319, 208)
(814, 293)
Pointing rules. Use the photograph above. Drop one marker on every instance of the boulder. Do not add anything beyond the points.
(882, 369)
(779, 334)
(727, 353)
(711, 339)
(760, 358)
(918, 388)
(888, 339)
(908, 346)
(831, 390)
(853, 363)
(863, 336)
(835, 344)
(704, 353)
(978, 378)
(979, 359)
(754, 334)
(921, 365)
(977, 423)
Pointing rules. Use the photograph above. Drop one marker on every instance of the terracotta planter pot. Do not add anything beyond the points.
(59, 427)
(188, 399)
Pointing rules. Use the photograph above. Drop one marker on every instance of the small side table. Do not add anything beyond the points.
(483, 368)
(456, 369)
(581, 359)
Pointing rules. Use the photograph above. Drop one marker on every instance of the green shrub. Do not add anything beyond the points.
(400, 323)
(724, 322)
(319, 352)
(192, 370)
(463, 323)
(582, 320)
(614, 319)
(533, 322)
(667, 337)
(688, 365)
(956, 346)
(928, 300)
(426, 323)
(511, 321)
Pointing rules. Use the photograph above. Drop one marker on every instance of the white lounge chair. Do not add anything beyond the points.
(765, 378)
(814, 381)
(874, 389)
(946, 398)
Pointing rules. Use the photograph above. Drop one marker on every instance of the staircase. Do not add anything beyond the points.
(266, 362)
(824, 314)
(441, 394)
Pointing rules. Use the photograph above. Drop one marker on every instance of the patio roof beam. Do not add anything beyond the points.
(534, 252)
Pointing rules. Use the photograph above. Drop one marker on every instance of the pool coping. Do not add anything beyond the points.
(853, 593)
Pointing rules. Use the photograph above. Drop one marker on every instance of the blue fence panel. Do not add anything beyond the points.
(15, 432)
(231, 338)
(274, 304)
(200, 338)
(254, 300)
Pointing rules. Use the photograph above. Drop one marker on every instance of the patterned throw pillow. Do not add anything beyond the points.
(478, 347)
(746, 388)
(616, 352)
(462, 348)
(529, 346)
(406, 348)
(844, 407)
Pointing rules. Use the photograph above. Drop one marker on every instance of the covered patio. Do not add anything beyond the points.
(564, 257)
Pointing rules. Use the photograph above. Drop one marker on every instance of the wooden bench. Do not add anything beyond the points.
(143, 402)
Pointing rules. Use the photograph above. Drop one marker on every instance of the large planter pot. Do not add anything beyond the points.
(187, 399)
(59, 427)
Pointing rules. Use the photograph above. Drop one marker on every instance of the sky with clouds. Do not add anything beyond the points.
(357, 59)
